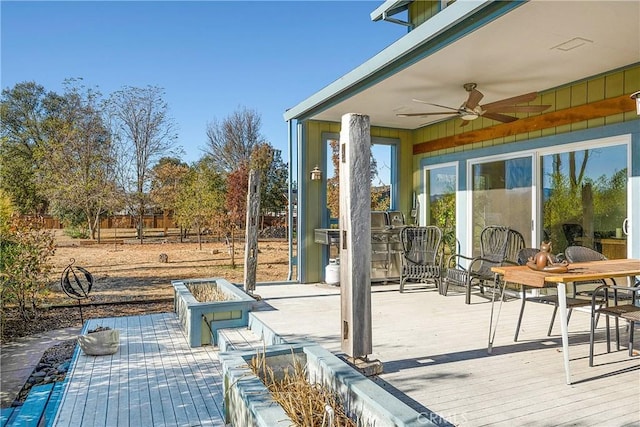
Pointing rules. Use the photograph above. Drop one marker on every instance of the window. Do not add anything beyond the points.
(440, 188)
(584, 198)
(383, 176)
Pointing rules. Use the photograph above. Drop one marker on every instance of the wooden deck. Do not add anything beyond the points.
(155, 379)
(434, 351)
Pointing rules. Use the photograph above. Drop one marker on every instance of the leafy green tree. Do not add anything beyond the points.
(6, 211)
(24, 110)
(166, 179)
(77, 162)
(26, 248)
(200, 198)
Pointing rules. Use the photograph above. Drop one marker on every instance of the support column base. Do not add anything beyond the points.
(367, 367)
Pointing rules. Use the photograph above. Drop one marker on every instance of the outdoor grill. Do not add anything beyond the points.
(386, 258)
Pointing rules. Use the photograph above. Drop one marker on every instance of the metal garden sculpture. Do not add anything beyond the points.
(76, 282)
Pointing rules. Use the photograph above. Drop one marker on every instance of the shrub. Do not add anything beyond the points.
(26, 248)
(76, 232)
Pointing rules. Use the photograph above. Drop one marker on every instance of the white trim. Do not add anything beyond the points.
(465, 222)
(422, 195)
(532, 237)
(389, 7)
(608, 141)
(633, 183)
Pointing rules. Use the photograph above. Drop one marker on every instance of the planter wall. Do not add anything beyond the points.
(201, 320)
(248, 402)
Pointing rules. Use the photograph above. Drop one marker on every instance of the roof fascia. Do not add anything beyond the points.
(395, 54)
(390, 7)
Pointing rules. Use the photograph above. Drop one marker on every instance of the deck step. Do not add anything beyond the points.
(33, 408)
(230, 339)
(52, 405)
(7, 415)
(39, 409)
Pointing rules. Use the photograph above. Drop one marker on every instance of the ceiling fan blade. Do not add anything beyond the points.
(435, 105)
(517, 109)
(499, 117)
(474, 99)
(527, 97)
(425, 114)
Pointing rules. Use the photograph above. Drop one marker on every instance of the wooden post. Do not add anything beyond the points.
(251, 239)
(355, 236)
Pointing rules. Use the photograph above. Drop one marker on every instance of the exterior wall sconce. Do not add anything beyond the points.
(316, 174)
(636, 96)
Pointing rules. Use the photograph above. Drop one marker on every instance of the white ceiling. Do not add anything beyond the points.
(513, 55)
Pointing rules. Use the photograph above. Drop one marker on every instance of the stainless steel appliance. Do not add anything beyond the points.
(386, 257)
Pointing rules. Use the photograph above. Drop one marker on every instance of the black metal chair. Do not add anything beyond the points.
(523, 257)
(498, 246)
(626, 307)
(421, 255)
(575, 254)
(582, 254)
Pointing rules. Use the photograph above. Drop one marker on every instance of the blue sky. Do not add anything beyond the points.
(211, 57)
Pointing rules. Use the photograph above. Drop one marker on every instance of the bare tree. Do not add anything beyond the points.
(146, 133)
(232, 141)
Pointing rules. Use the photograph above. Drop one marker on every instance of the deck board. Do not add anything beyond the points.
(434, 351)
(155, 378)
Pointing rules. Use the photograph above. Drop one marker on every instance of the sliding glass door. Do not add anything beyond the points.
(584, 198)
(502, 194)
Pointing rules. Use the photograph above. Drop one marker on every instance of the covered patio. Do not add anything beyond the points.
(433, 348)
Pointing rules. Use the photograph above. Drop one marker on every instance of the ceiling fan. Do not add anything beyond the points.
(471, 108)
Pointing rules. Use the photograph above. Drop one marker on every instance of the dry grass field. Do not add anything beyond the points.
(130, 277)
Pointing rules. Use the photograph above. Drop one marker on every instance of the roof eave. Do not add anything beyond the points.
(454, 14)
(389, 8)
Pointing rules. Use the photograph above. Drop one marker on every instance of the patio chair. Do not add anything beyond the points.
(575, 254)
(498, 246)
(523, 257)
(421, 259)
(625, 306)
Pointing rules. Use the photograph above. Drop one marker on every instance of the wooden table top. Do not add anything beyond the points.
(593, 270)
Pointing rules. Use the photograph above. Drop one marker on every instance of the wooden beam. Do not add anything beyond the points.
(251, 238)
(594, 110)
(355, 236)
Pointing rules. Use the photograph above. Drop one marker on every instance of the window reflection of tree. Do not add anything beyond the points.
(577, 195)
(380, 194)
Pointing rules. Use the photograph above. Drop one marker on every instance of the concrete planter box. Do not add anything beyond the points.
(249, 403)
(201, 320)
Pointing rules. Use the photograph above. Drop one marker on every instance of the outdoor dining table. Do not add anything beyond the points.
(594, 270)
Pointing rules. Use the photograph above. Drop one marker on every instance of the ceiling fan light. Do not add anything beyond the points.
(468, 115)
